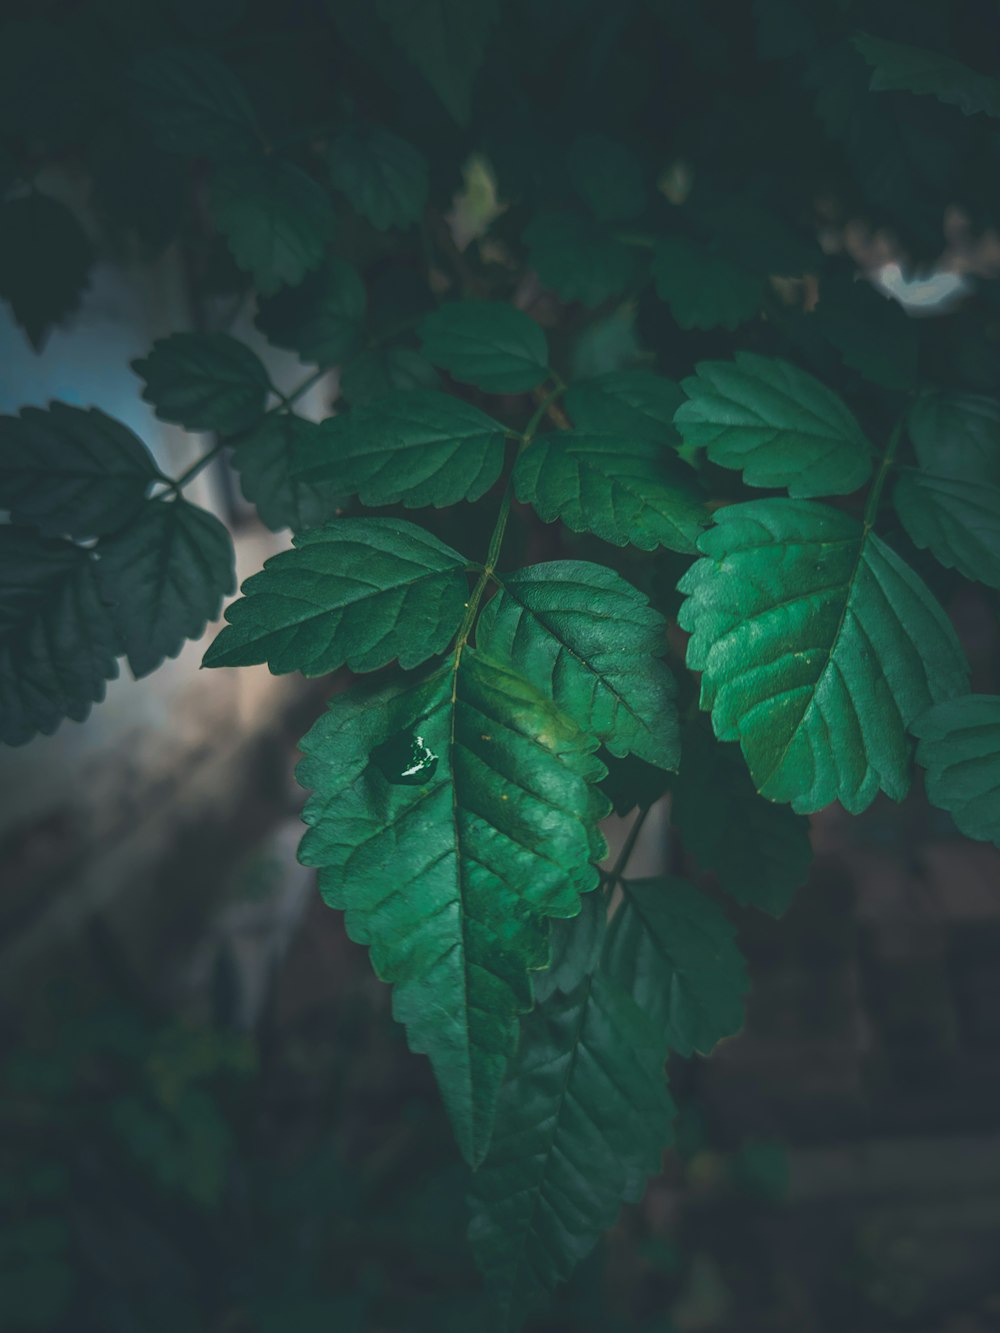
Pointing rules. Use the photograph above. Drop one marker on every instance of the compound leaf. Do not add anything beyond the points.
(778, 424)
(593, 643)
(624, 489)
(898, 67)
(579, 258)
(359, 592)
(955, 518)
(960, 748)
(446, 40)
(760, 851)
(204, 381)
(818, 646)
(72, 471)
(415, 447)
(449, 817)
(703, 288)
(674, 948)
(385, 178)
(276, 219)
(269, 461)
(322, 318)
(58, 645)
(165, 575)
(486, 343)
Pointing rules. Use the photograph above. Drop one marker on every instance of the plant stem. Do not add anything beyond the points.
(203, 462)
(875, 494)
(628, 847)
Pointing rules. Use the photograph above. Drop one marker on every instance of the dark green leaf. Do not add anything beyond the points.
(759, 850)
(960, 748)
(269, 462)
(957, 435)
(359, 592)
(608, 177)
(446, 40)
(385, 178)
(71, 471)
(779, 425)
(580, 259)
(818, 646)
(594, 644)
(633, 783)
(673, 949)
(448, 879)
(45, 261)
(486, 343)
(276, 219)
(871, 332)
(703, 288)
(414, 448)
(380, 370)
(165, 575)
(322, 318)
(624, 489)
(57, 643)
(194, 104)
(897, 67)
(204, 381)
(576, 945)
(626, 402)
(957, 519)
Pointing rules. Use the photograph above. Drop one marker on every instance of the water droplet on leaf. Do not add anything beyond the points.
(406, 760)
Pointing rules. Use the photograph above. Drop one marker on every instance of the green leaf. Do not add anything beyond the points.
(674, 949)
(897, 67)
(269, 463)
(71, 471)
(414, 448)
(575, 948)
(960, 748)
(449, 817)
(956, 434)
(379, 371)
(57, 643)
(165, 575)
(204, 381)
(385, 178)
(582, 1122)
(194, 104)
(45, 262)
(486, 343)
(818, 647)
(359, 592)
(608, 177)
(871, 332)
(633, 783)
(624, 489)
(955, 518)
(760, 851)
(322, 318)
(579, 258)
(703, 288)
(779, 425)
(446, 40)
(276, 219)
(626, 402)
(593, 643)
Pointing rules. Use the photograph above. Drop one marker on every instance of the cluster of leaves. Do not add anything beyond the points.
(458, 797)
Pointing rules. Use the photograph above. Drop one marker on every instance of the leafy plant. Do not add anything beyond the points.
(711, 429)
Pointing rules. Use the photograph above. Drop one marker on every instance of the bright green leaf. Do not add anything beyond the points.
(448, 818)
(194, 104)
(45, 262)
(593, 643)
(276, 219)
(414, 448)
(960, 748)
(674, 949)
(204, 381)
(608, 177)
(322, 318)
(486, 343)
(957, 435)
(57, 643)
(165, 575)
(779, 425)
(898, 67)
(379, 371)
(446, 40)
(957, 519)
(624, 489)
(760, 851)
(703, 288)
(71, 471)
(385, 178)
(626, 402)
(818, 646)
(269, 463)
(580, 259)
(359, 592)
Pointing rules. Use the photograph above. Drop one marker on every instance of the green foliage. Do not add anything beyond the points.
(579, 258)
(446, 40)
(270, 461)
(957, 519)
(45, 259)
(495, 347)
(322, 318)
(204, 381)
(960, 748)
(194, 104)
(383, 177)
(897, 67)
(704, 289)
